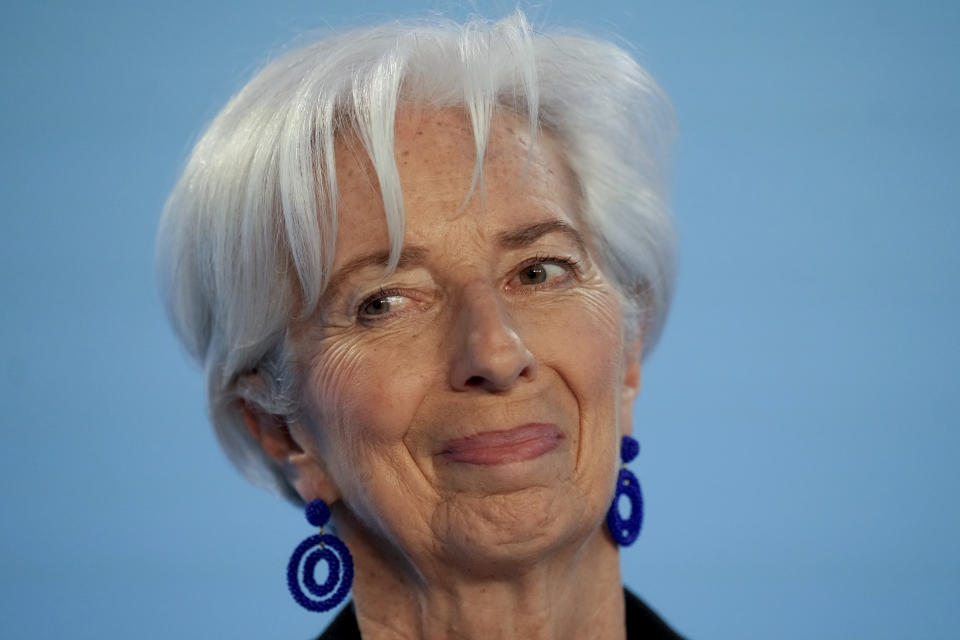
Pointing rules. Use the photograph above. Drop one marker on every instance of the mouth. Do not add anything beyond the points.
(526, 442)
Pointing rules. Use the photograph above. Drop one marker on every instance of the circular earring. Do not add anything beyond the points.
(327, 548)
(625, 531)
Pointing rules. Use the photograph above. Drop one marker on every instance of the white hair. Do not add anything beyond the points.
(247, 237)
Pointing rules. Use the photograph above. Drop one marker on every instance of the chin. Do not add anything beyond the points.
(504, 533)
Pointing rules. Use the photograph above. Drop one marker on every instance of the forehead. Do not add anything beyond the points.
(435, 154)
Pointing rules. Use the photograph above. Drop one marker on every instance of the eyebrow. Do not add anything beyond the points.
(525, 236)
(413, 255)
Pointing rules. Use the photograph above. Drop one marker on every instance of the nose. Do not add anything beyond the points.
(489, 355)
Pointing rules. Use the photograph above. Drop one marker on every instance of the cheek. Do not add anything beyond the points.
(366, 390)
(583, 338)
(584, 345)
(600, 331)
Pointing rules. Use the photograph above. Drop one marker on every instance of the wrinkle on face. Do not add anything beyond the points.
(381, 396)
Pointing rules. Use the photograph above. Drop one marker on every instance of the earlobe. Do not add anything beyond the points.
(302, 468)
(629, 392)
(632, 381)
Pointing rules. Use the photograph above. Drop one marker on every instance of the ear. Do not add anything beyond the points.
(292, 450)
(632, 381)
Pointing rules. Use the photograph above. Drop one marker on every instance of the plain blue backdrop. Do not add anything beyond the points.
(798, 420)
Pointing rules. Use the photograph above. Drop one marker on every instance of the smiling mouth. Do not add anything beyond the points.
(526, 442)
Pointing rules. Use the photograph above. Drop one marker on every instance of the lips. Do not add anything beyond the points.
(526, 442)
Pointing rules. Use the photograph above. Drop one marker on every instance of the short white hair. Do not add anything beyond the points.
(247, 237)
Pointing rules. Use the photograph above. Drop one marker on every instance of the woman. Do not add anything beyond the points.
(421, 264)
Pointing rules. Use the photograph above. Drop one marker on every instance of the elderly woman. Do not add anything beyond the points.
(421, 264)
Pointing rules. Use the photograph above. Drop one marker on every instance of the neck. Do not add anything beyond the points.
(575, 593)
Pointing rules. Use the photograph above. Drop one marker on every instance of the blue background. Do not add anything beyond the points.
(799, 419)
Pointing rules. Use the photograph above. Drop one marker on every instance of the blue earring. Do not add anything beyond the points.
(625, 532)
(324, 547)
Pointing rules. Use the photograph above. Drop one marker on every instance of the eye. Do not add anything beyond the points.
(379, 304)
(533, 274)
(542, 271)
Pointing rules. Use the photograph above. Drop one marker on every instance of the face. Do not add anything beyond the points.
(470, 403)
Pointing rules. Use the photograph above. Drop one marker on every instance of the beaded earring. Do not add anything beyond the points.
(328, 548)
(625, 532)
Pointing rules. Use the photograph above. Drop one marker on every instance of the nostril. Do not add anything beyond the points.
(475, 381)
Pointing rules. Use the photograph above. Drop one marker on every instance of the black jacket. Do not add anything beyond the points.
(642, 623)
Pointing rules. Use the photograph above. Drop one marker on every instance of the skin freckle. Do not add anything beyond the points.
(392, 391)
